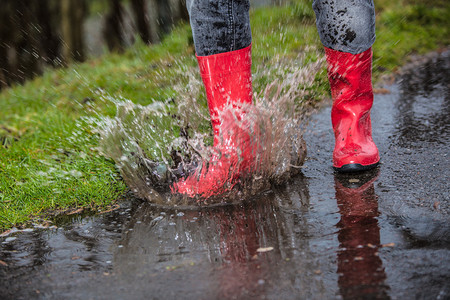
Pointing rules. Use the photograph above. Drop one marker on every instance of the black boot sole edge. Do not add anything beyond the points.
(354, 168)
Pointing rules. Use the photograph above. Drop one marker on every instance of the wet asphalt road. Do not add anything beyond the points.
(378, 235)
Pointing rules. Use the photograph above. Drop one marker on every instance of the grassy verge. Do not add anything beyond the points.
(48, 163)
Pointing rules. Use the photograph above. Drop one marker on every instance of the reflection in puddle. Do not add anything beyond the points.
(252, 247)
(247, 246)
(360, 268)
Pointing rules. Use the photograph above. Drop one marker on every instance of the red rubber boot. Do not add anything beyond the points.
(350, 77)
(227, 80)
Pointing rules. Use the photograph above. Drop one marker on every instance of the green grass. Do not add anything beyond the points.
(404, 29)
(49, 163)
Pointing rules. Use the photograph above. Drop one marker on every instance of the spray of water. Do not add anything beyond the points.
(156, 145)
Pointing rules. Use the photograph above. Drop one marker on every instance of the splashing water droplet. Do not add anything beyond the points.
(156, 145)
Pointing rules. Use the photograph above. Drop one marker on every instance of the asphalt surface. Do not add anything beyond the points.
(378, 235)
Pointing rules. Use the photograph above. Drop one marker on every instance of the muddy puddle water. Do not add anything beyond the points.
(383, 234)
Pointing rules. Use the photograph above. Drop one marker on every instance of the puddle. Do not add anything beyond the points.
(383, 234)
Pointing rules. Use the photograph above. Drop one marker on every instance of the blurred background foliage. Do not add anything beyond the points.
(37, 34)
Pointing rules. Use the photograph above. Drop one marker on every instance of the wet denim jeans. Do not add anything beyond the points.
(224, 25)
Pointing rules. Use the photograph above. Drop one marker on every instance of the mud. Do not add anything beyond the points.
(382, 234)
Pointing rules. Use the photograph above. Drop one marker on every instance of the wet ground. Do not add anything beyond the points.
(383, 234)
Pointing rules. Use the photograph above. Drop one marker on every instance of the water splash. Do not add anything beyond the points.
(156, 145)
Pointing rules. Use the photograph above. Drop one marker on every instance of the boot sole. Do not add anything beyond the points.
(354, 168)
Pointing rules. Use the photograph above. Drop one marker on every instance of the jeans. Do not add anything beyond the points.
(224, 25)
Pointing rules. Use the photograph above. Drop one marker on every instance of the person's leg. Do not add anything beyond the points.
(219, 26)
(222, 39)
(347, 30)
(346, 25)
